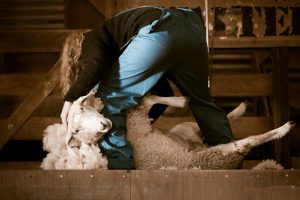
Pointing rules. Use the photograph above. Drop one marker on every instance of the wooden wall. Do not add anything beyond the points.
(245, 67)
(154, 184)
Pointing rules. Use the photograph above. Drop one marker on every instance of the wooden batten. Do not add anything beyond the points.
(33, 40)
(236, 85)
(255, 125)
(150, 184)
(241, 85)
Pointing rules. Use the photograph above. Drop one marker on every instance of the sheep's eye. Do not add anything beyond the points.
(81, 108)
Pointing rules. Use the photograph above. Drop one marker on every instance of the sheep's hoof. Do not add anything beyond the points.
(283, 130)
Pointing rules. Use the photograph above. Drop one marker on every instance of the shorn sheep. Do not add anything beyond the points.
(76, 148)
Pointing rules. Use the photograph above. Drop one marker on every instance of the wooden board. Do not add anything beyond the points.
(18, 84)
(19, 165)
(38, 184)
(152, 184)
(197, 184)
(222, 85)
(52, 41)
(10, 126)
(33, 40)
(241, 85)
(255, 125)
(33, 129)
(255, 42)
(222, 3)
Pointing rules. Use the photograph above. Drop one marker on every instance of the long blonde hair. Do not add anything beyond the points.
(71, 60)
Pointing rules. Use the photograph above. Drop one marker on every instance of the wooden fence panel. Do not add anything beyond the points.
(255, 125)
(222, 85)
(209, 184)
(38, 184)
(9, 127)
(150, 184)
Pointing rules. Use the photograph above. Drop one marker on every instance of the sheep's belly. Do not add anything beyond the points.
(215, 159)
(156, 151)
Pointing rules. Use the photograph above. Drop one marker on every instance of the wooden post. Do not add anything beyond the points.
(2, 67)
(281, 103)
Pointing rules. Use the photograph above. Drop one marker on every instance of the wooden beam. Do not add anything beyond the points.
(86, 184)
(29, 104)
(256, 42)
(217, 3)
(222, 85)
(32, 40)
(281, 103)
(52, 40)
(241, 85)
(211, 184)
(150, 184)
(18, 84)
(255, 125)
(34, 128)
(19, 165)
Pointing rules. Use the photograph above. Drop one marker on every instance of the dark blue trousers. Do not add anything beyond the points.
(173, 46)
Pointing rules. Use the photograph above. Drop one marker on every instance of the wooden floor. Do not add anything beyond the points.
(155, 184)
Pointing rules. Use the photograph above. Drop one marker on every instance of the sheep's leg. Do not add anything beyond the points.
(191, 130)
(238, 112)
(245, 145)
(180, 102)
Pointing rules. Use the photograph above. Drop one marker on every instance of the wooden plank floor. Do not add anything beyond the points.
(151, 184)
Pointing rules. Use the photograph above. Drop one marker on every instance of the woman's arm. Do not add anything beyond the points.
(99, 51)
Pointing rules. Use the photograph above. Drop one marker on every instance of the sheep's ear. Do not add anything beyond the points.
(69, 135)
(81, 100)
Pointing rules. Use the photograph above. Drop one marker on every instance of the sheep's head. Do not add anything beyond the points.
(85, 123)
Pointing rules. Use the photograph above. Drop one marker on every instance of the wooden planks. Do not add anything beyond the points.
(219, 3)
(241, 85)
(236, 85)
(222, 85)
(38, 184)
(33, 40)
(255, 42)
(9, 127)
(18, 84)
(255, 125)
(34, 128)
(197, 184)
(150, 184)
(32, 14)
(52, 41)
(19, 165)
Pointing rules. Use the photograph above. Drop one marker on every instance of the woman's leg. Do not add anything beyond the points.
(138, 69)
(190, 74)
(162, 88)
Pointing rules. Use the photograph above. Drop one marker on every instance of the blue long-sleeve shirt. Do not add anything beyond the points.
(102, 46)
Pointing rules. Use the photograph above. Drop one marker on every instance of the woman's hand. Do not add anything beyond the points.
(64, 113)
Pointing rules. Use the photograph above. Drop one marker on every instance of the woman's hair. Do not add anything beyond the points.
(71, 60)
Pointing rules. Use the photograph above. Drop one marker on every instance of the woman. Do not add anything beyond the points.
(132, 52)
